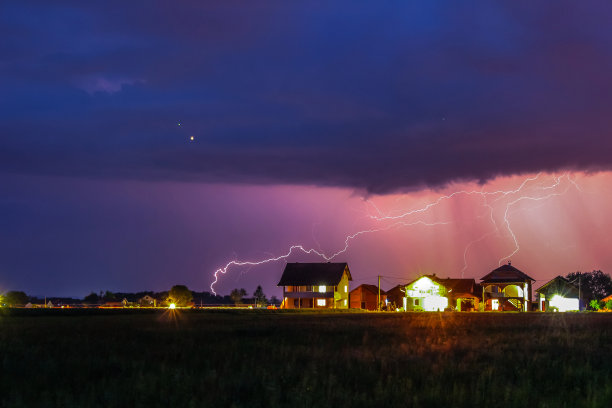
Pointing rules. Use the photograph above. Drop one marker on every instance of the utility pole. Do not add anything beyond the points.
(378, 293)
(579, 297)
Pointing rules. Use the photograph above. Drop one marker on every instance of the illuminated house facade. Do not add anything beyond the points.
(431, 293)
(558, 295)
(506, 289)
(315, 286)
(366, 297)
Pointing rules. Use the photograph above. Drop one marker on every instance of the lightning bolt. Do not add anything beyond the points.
(523, 198)
(515, 196)
(310, 251)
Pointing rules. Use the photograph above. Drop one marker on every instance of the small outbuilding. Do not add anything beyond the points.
(559, 295)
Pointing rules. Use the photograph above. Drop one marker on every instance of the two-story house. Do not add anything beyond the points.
(315, 285)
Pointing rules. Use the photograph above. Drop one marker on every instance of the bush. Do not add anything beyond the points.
(595, 304)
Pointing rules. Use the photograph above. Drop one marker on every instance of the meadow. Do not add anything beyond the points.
(265, 358)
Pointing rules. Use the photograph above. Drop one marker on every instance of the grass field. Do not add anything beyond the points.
(111, 358)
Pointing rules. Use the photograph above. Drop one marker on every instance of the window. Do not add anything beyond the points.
(494, 304)
(345, 302)
(322, 289)
(416, 302)
(320, 302)
(345, 288)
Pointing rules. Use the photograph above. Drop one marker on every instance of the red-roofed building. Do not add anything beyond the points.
(366, 297)
(432, 293)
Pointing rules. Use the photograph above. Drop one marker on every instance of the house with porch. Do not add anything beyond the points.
(366, 297)
(315, 285)
(432, 293)
(506, 289)
(559, 295)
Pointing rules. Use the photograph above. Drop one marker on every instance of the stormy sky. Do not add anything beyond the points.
(298, 110)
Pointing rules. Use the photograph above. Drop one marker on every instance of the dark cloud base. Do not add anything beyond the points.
(378, 97)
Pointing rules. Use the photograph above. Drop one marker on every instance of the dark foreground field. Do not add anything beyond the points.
(269, 358)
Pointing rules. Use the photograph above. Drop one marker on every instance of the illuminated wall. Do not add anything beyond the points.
(425, 294)
(563, 304)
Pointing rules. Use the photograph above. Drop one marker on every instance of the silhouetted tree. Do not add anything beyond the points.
(109, 296)
(180, 295)
(237, 294)
(91, 298)
(260, 297)
(14, 298)
(593, 285)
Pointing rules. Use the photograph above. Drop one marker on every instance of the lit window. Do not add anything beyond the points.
(322, 289)
(494, 304)
(345, 288)
(345, 302)
(320, 302)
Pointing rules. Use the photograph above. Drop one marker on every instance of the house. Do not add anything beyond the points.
(315, 285)
(432, 293)
(147, 300)
(366, 297)
(395, 296)
(506, 289)
(559, 295)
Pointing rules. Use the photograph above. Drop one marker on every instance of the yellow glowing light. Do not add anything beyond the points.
(191, 138)
(563, 304)
(322, 289)
(172, 306)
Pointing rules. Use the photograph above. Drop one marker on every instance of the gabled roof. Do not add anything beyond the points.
(455, 285)
(299, 274)
(459, 285)
(369, 288)
(560, 286)
(506, 273)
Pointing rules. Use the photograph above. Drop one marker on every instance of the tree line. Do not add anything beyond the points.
(180, 295)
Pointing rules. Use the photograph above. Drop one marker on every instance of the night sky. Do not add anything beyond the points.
(312, 121)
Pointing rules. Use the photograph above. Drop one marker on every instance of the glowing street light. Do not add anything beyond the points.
(172, 306)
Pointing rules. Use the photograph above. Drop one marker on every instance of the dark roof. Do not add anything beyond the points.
(298, 274)
(506, 273)
(455, 285)
(369, 288)
(396, 293)
(559, 286)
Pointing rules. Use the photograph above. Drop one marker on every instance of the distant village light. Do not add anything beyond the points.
(172, 306)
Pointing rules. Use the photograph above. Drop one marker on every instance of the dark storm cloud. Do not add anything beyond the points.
(381, 97)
